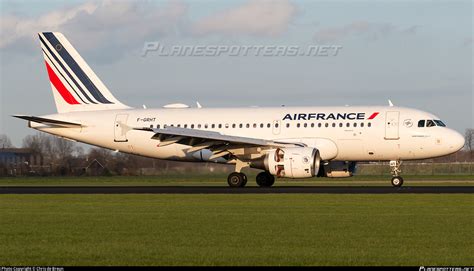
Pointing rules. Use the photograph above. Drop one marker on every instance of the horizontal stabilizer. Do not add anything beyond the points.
(52, 122)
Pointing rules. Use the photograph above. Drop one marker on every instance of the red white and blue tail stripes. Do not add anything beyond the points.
(70, 76)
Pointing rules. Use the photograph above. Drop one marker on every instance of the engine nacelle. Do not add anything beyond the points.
(293, 162)
(337, 169)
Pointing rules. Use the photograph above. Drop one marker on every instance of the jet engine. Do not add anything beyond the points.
(291, 162)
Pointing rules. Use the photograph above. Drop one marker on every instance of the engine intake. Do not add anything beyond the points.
(293, 162)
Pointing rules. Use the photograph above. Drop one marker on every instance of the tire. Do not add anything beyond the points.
(245, 179)
(397, 181)
(265, 179)
(237, 179)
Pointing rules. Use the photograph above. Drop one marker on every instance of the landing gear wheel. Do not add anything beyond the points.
(237, 179)
(397, 181)
(265, 179)
(245, 179)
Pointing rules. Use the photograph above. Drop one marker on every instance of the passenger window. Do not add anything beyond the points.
(269, 125)
(369, 124)
(430, 123)
(312, 125)
(319, 125)
(276, 125)
(247, 125)
(158, 126)
(340, 124)
(333, 125)
(348, 124)
(261, 125)
(213, 126)
(305, 125)
(233, 125)
(192, 126)
(326, 125)
(240, 125)
(199, 125)
(298, 125)
(185, 126)
(220, 126)
(288, 125)
(151, 126)
(361, 124)
(254, 125)
(355, 124)
(226, 125)
(421, 123)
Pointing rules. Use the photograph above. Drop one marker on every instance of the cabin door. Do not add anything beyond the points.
(391, 125)
(121, 128)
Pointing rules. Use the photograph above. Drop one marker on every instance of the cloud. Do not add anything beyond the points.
(367, 30)
(255, 17)
(14, 28)
(97, 24)
(112, 26)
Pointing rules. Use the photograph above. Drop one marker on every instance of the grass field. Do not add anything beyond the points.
(267, 229)
(221, 180)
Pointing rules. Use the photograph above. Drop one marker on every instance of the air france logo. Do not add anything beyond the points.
(330, 116)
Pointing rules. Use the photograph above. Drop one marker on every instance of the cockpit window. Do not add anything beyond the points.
(430, 123)
(440, 123)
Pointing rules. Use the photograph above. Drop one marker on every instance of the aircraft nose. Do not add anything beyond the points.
(456, 141)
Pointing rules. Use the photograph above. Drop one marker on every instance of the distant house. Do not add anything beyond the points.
(95, 168)
(18, 160)
(17, 156)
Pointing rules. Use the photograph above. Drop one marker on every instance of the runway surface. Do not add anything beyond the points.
(229, 190)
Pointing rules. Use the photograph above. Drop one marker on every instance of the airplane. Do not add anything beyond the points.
(290, 142)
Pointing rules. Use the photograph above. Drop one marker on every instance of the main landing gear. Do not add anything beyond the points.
(265, 179)
(397, 180)
(238, 179)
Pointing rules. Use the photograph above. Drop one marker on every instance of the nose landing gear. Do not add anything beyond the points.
(397, 180)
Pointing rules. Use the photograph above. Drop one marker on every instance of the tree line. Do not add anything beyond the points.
(59, 156)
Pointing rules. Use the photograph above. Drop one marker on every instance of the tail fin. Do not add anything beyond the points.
(75, 86)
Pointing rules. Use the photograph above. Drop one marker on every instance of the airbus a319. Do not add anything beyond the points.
(290, 142)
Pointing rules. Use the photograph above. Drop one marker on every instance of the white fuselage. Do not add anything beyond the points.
(340, 133)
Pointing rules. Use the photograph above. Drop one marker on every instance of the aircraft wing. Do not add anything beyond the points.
(218, 143)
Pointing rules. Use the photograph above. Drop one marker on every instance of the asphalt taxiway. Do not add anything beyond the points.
(229, 190)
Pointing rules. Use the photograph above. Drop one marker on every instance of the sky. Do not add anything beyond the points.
(415, 53)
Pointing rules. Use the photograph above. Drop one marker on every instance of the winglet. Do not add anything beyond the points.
(390, 102)
(198, 104)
